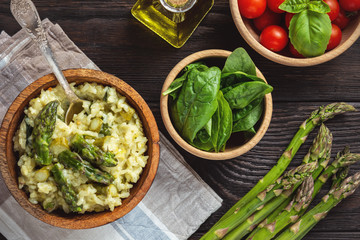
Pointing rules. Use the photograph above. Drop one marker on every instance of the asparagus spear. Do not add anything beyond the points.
(267, 220)
(283, 185)
(92, 153)
(316, 118)
(319, 153)
(340, 175)
(300, 201)
(339, 166)
(311, 218)
(275, 225)
(66, 188)
(343, 159)
(309, 157)
(74, 161)
(44, 125)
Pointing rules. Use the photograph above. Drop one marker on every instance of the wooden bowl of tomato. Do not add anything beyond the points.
(293, 35)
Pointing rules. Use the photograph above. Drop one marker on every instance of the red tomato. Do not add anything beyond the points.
(266, 19)
(274, 38)
(350, 5)
(334, 8)
(252, 8)
(288, 17)
(335, 37)
(274, 5)
(294, 52)
(342, 20)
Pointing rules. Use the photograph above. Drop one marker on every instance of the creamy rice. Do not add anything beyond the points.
(126, 140)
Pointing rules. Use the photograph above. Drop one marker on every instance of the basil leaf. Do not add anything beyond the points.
(197, 101)
(319, 6)
(221, 123)
(310, 32)
(239, 60)
(296, 6)
(178, 82)
(249, 120)
(245, 93)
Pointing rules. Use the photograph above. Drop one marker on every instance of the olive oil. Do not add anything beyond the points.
(173, 20)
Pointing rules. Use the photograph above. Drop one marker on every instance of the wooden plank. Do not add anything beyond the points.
(118, 44)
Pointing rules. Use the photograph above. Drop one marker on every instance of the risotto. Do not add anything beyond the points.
(107, 123)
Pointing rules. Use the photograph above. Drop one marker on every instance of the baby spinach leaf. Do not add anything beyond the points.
(178, 82)
(227, 89)
(249, 134)
(175, 118)
(175, 85)
(228, 79)
(202, 139)
(248, 121)
(242, 112)
(197, 101)
(221, 123)
(200, 144)
(245, 93)
(310, 32)
(296, 6)
(204, 134)
(240, 77)
(239, 60)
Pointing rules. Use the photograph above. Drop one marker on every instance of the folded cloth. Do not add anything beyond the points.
(178, 201)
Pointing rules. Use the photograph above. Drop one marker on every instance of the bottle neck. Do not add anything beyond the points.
(178, 6)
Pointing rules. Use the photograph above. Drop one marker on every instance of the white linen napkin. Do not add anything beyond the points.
(178, 201)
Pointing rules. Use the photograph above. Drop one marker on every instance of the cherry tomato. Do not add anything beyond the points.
(266, 19)
(288, 17)
(294, 52)
(342, 20)
(274, 5)
(350, 5)
(335, 37)
(252, 8)
(334, 8)
(274, 38)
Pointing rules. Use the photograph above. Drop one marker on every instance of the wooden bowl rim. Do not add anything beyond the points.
(290, 61)
(86, 220)
(211, 53)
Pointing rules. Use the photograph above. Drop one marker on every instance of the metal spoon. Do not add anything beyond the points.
(27, 16)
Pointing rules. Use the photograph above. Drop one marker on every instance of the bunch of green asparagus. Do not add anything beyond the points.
(275, 207)
(84, 155)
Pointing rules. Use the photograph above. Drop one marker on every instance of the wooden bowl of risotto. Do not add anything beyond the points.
(131, 112)
(251, 35)
(236, 145)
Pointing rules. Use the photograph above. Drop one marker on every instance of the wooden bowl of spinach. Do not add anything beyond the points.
(216, 104)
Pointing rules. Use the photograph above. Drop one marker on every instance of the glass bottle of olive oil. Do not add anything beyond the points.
(173, 20)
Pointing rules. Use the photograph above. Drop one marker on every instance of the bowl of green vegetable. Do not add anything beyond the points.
(297, 33)
(70, 209)
(216, 104)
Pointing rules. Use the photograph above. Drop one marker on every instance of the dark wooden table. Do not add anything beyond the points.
(118, 44)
